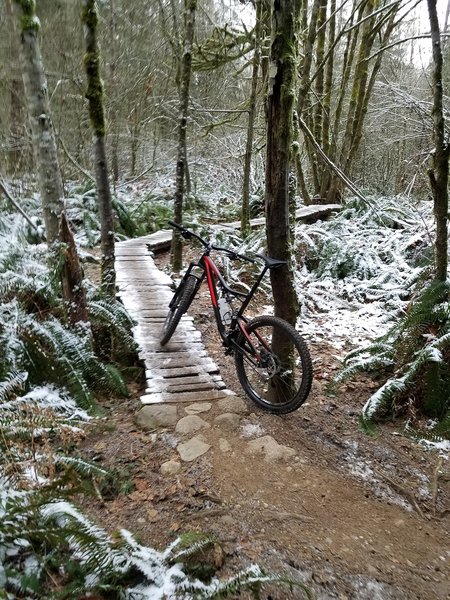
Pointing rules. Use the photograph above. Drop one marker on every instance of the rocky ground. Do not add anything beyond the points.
(308, 494)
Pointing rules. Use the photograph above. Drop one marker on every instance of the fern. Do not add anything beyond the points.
(107, 313)
(438, 432)
(189, 545)
(369, 364)
(427, 359)
(51, 352)
(13, 381)
(414, 352)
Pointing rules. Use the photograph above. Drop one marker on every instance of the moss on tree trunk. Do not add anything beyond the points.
(439, 174)
(281, 97)
(189, 16)
(49, 173)
(94, 95)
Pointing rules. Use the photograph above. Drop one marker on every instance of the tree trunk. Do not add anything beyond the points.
(302, 97)
(44, 145)
(320, 75)
(359, 86)
(72, 280)
(331, 184)
(113, 133)
(17, 157)
(49, 174)
(329, 77)
(189, 16)
(94, 95)
(280, 104)
(245, 209)
(439, 174)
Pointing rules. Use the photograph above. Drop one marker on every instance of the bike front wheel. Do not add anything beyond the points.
(178, 306)
(273, 365)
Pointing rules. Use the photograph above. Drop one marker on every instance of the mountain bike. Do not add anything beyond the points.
(272, 360)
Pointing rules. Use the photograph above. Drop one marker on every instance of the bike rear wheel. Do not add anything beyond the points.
(179, 304)
(273, 365)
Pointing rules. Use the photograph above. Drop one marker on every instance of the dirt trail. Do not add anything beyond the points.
(352, 516)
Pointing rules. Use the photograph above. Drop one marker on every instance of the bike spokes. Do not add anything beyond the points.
(273, 364)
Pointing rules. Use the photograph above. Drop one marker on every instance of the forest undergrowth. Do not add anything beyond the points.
(50, 377)
(362, 269)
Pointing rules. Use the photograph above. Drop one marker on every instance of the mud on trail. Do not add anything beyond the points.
(350, 515)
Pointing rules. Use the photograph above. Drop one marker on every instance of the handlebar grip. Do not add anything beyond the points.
(188, 234)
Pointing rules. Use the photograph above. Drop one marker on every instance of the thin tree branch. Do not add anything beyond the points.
(74, 162)
(351, 186)
(8, 195)
(408, 39)
(372, 14)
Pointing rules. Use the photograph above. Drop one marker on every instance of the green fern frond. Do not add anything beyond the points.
(380, 346)
(190, 544)
(431, 298)
(382, 400)
(13, 383)
(113, 381)
(126, 222)
(368, 364)
(112, 314)
(81, 466)
(252, 579)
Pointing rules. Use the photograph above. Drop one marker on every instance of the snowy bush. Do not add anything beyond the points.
(415, 353)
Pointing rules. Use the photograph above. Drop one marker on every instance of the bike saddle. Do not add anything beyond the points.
(271, 262)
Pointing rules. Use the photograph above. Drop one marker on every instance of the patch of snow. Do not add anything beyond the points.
(249, 430)
(443, 446)
(30, 472)
(362, 469)
(169, 439)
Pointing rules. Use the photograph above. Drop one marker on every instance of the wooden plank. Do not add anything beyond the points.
(176, 363)
(181, 371)
(155, 368)
(313, 213)
(154, 320)
(185, 396)
(184, 380)
(153, 334)
(173, 388)
(170, 346)
(186, 370)
(163, 354)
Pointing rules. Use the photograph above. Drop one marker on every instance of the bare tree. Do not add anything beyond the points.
(94, 95)
(186, 69)
(252, 108)
(439, 173)
(280, 104)
(49, 175)
(337, 76)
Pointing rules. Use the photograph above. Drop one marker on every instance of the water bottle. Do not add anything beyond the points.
(225, 311)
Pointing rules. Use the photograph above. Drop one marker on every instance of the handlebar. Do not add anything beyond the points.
(187, 234)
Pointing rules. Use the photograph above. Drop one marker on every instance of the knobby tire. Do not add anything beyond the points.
(180, 303)
(278, 384)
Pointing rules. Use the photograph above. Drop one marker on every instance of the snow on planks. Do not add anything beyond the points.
(181, 371)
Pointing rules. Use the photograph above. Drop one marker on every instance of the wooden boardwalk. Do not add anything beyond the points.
(162, 239)
(181, 371)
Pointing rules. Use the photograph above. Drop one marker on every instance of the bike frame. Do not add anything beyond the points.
(215, 278)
